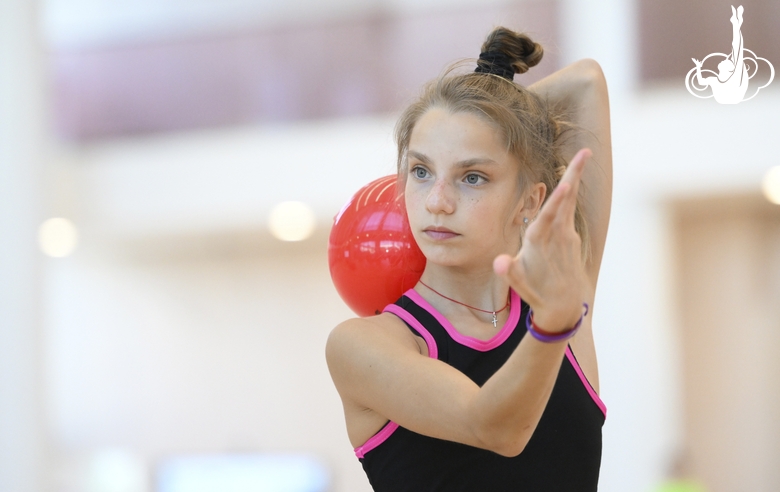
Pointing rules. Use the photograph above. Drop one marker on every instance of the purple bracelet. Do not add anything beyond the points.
(565, 335)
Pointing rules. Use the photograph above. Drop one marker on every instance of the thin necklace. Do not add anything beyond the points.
(494, 313)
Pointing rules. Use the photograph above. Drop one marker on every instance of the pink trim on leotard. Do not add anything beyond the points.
(433, 352)
(376, 439)
(433, 349)
(471, 342)
(585, 382)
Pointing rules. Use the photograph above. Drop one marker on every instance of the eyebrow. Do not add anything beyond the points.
(465, 163)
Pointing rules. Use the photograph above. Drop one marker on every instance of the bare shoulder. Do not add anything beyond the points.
(358, 343)
(360, 330)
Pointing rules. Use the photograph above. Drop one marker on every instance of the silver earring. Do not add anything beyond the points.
(525, 220)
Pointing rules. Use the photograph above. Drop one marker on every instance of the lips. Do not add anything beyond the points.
(440, 233)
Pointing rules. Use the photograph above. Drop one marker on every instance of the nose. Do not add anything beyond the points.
(440, 199)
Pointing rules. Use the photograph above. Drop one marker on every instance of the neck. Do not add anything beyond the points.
(480, 288)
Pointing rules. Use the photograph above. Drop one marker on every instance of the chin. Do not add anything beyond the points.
(436, 256)
(444, 256)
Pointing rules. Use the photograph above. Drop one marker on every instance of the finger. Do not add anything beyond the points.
(552, 207)
(572, 177)
(575, 168)
(563, 200)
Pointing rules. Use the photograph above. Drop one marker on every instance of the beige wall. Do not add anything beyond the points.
(728, 281)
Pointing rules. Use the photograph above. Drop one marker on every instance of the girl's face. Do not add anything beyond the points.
(463, 193)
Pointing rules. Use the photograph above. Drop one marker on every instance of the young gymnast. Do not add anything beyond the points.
(484, 375)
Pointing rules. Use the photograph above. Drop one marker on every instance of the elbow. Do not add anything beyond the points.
(589, 80)
(506, 442)
(594, 75)
(509, 448)
(591, 69)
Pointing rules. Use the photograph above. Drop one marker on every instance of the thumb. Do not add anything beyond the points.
(502, 264)
(511, 269)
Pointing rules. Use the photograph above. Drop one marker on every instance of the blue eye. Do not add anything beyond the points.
(419, 172)
(474, 179)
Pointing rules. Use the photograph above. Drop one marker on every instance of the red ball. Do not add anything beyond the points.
(372, 254)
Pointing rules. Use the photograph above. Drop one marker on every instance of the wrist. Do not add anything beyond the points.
(554, 336)
(556, 321)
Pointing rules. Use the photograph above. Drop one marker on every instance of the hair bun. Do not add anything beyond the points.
(514, 49)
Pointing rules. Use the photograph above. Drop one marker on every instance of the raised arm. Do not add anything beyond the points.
(582, 89)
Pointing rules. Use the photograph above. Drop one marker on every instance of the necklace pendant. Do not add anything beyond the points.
(495, 320)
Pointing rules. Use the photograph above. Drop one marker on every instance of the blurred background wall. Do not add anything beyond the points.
(166, 321)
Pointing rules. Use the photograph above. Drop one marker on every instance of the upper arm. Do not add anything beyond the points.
(596, 199)
(379, 369)
(582, 89)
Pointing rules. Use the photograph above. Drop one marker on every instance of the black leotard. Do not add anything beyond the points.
(563, 455)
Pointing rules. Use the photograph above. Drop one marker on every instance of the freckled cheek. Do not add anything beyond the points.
(488, 216)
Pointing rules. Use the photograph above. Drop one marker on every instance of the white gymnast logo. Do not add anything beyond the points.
(730, 84)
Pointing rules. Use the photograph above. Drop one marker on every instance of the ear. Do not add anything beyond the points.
(532, 203)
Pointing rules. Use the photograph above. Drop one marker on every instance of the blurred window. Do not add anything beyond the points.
(671, 32)
(242, 473)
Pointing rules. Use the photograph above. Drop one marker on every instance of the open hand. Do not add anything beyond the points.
(548, 272)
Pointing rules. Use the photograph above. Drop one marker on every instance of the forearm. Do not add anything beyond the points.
(508, 407)
(580, 90)
(565, 87)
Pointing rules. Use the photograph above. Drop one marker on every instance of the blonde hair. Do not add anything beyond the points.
(532, 128)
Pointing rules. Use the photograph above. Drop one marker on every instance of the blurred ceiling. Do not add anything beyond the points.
(144, 68)
(72, 24)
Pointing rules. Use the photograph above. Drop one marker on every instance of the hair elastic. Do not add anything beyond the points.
(496, 63)
(552, 337)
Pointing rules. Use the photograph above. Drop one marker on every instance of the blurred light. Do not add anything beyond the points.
(57, 237)
(771, 185)
(116, 470)
(292, 221)
(243, 473)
